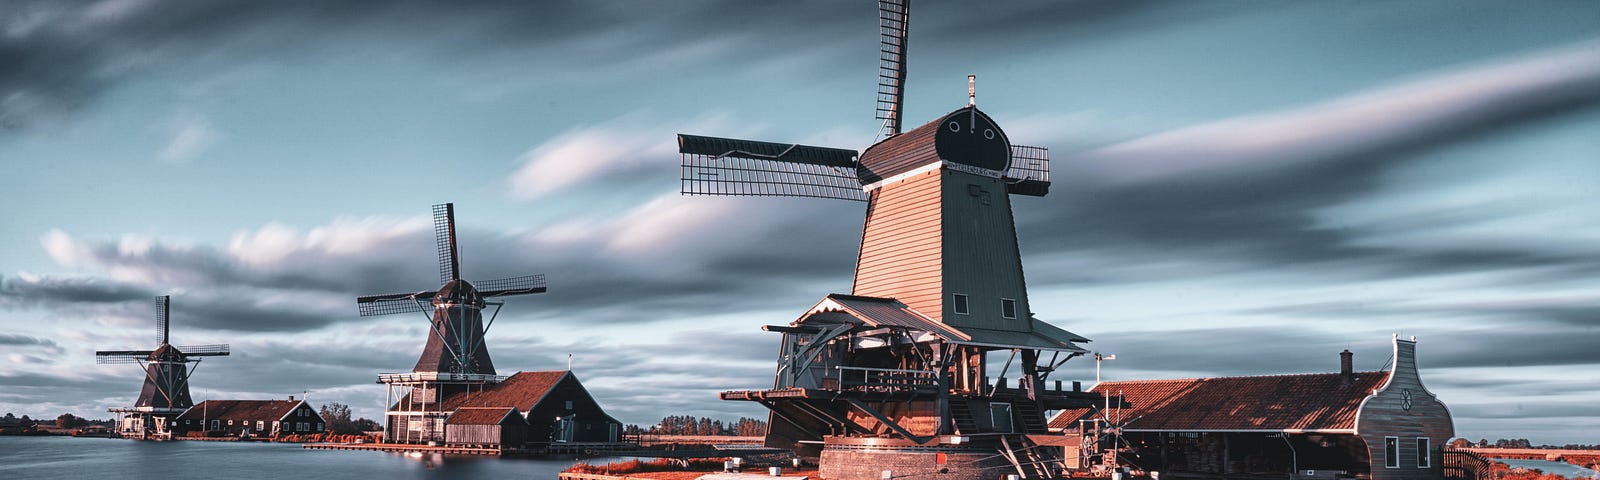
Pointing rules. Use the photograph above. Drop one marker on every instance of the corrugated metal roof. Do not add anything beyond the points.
(1318, 401)
(879, 312)
(481, 416)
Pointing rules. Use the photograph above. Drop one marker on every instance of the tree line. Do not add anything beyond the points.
(705, 426)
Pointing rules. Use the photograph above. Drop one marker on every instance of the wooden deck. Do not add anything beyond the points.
(403, 447)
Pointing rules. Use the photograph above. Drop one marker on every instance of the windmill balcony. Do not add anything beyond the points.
(886, 380)
(414, 377)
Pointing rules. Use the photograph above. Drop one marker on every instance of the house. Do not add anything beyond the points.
(1375, 425)
(486, 427)
(554, 403)
(250, 417)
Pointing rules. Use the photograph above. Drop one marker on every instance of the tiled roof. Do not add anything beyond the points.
(480, 416)
(1319, 401)
(522, 391)
(241, 409)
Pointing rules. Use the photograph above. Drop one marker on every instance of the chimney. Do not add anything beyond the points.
(291, 398)
(1347, 372)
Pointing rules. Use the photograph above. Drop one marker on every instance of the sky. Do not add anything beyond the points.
(1240, 188)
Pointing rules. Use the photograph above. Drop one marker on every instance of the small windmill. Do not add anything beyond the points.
(899, 366)
(455, 357)
(166, 376)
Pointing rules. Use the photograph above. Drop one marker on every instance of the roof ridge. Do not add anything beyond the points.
(1191, 379)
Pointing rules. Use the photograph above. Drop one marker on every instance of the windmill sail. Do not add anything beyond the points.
(444, 234)
(893, 30)
(725, 166)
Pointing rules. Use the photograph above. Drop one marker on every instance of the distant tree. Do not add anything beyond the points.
(337, 417)
(26, 422)
(67, 420)
(366, 425)
(1483, 443)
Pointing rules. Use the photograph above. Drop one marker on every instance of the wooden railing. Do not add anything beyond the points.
(887, 379)
(1464, 465)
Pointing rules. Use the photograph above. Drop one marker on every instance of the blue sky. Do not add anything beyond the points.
(1241, 188)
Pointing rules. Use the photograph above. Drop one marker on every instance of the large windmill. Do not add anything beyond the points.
(455, 357)
(900, 366)
(166, 378)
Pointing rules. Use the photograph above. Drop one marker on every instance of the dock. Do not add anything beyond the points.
(403, 448)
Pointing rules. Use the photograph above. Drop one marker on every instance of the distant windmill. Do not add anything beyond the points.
(455, 357)
(899, 366)
(166, 380)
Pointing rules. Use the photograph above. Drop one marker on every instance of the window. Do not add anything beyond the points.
(1000, 414)
(569, 404)
(186, 422)
(958, 303)
(1008, 308)
(261, 425)
(215, 424)
(230, 422)
(319, 427)
(1391, 452)
(1424, 453)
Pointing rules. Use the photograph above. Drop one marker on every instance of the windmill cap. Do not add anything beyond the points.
(458, 291)
(965, 136)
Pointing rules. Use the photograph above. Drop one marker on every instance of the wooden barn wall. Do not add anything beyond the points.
(1384, 415)
(592, 423)
(983, 262)
(900, 245)
(473, 434)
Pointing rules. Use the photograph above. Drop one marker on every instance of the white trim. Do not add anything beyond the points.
(1013, 308)
(1424, 453)
(966, 300)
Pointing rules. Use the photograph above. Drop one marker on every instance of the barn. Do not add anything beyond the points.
(486, 427)
(556, 406)
(250, 417)
(1374, 425)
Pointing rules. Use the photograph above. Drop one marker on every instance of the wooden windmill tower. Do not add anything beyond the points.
(900, 366)
(166, 378)
(455, 357)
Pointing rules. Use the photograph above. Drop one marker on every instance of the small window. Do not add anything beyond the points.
(186, 422)
(1008, 308)
(261, 425)
(1424, 453)
(1391, 452)
(958, 303)
(230, 423)
(569, 404)
(1000, 414)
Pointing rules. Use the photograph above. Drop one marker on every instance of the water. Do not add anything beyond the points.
(1554, 468)
(117, 459)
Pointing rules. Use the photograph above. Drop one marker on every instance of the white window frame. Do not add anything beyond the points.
(960, 304)
(1424, 452)
(1013, 303)
(1391, 460)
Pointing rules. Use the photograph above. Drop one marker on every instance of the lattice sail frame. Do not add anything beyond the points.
(893, 31)
(1028, 164)
(734, 176)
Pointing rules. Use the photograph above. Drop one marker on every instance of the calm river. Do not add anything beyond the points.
(115, 459)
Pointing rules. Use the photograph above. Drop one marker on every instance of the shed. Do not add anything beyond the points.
(556, 405)
(490, 427)
(1377, 425)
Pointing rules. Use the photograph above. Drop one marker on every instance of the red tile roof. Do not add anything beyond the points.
(241, 409)
(522, 391)
(1317, 401)
(481, 416)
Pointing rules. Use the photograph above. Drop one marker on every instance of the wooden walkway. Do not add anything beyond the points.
(402, 447)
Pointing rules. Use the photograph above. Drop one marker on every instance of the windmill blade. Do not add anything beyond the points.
(725, 166)
(214, 350)
(511, 286)
(105, 357)
(394, 303)
(444, 234)
(893, 29)
(163, 327)
(1029, 173)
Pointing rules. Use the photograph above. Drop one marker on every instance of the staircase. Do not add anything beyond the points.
(1029, 417)
(1029, 461)
(961, 414)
